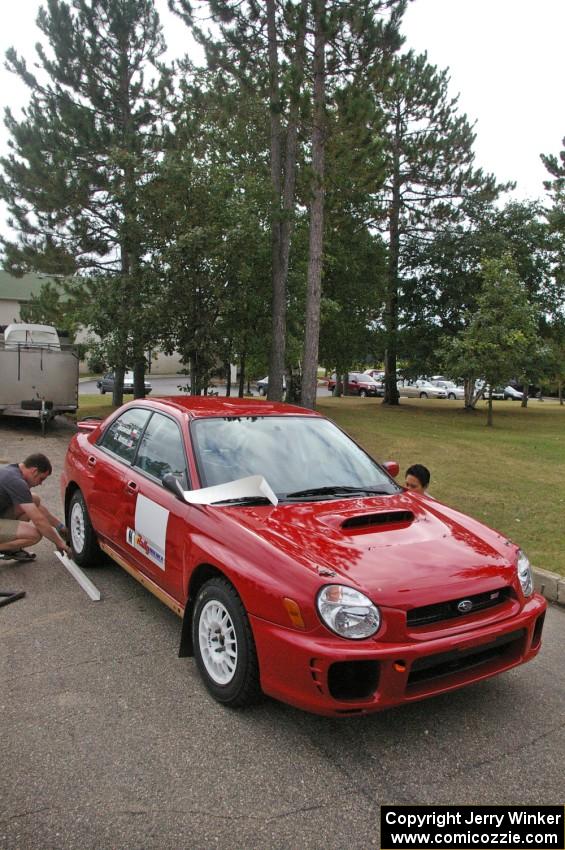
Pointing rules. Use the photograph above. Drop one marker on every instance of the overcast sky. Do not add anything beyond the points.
(505, 57)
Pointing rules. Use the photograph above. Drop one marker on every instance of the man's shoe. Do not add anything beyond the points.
(19, 555)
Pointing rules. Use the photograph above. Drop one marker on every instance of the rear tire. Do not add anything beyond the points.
(363, 393)
(86, 552)
(423, 395)
(224, 648)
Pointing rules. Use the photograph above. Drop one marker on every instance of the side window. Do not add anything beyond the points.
(122, 437)
(161, 450)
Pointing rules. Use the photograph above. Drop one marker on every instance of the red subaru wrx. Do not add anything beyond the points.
(322, 583)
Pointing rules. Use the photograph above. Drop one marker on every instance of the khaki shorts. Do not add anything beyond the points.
(8, 529)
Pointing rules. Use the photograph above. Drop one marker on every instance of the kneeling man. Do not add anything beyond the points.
(23, 519)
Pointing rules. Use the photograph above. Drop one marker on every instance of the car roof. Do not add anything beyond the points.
(200, 407)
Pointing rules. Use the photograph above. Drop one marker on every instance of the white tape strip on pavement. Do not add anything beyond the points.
(78, 574)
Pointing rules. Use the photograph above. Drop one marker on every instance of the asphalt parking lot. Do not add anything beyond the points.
(110, 742)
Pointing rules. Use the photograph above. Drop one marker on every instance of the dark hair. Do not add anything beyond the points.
(38, 461)
(422, 473)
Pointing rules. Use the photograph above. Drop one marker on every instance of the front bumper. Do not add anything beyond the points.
(335, 677)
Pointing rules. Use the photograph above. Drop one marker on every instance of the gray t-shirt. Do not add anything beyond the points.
(13, 489)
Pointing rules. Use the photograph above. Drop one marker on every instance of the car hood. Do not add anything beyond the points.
(399, 549)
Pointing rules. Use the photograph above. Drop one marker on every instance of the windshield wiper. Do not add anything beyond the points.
(337, 490)
(242, 500)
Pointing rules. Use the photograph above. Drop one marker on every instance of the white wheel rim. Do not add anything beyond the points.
(218, 642)
(77, 527)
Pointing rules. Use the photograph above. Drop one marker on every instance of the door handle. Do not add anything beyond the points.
(91, 460)
(132, 487)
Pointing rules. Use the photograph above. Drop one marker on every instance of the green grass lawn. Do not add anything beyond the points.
(510, 476)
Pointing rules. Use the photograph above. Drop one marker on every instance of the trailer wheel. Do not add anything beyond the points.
(85, 548)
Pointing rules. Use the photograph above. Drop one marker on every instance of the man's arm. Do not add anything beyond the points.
(52, 520)
(38, 518)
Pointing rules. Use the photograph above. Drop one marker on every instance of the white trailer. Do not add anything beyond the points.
(38, 375)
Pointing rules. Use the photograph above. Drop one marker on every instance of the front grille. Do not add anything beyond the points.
(448, 663)
(428, 614)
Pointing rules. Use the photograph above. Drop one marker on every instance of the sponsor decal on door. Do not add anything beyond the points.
(150, 533)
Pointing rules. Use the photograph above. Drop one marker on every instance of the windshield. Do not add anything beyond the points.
(291, 453)
(367, 379)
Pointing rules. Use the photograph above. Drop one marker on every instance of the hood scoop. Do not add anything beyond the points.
(383, 519)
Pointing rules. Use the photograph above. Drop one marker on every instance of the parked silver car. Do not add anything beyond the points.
(451, 388)
(263, 385)
(420, 389)
(503, 393)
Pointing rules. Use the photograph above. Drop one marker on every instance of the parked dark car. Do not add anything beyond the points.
(359, 384)
(106, 384)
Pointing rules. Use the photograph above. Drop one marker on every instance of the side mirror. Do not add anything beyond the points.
(391, 467)
(171, 483)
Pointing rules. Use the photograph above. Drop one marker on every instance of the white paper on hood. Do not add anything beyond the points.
(254, 487)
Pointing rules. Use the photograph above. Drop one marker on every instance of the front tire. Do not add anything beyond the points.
(224, 648)
(86, 552)
(363, 393)
(451, 396)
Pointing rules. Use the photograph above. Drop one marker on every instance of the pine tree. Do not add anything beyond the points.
(295, 57)
(429, 148)
(79, 156)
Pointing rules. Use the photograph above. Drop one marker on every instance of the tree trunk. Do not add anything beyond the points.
(242, 360)
(278, 306)
(282, 217)
(560, 392)
(194, 382)
(118, 391)
(392, 395)
(489, 414)
(314, 283)
(470, 395)
(227, 370)
(525, 393)
(139, 376)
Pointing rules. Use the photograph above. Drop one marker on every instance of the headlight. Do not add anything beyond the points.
(347, 612)
(525, 573)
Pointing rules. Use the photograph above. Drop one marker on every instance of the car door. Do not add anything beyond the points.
(353, 384)
(154, 529)
(410, 390)
(107, 464)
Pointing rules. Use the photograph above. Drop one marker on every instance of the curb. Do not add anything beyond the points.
(550, 585)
